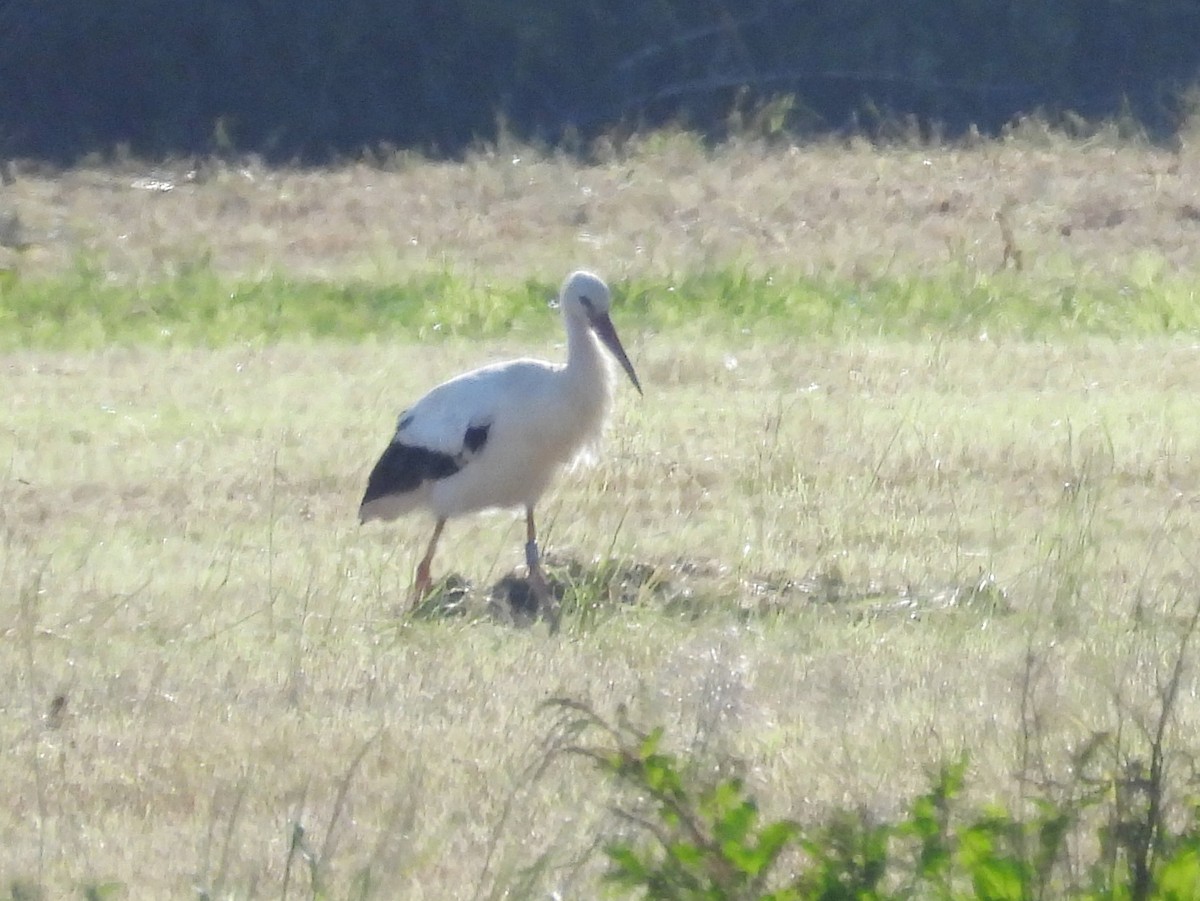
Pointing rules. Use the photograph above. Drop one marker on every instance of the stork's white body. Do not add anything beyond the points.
(540, 416)
(496, 436)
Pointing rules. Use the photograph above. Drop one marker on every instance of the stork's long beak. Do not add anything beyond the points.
(604, 329)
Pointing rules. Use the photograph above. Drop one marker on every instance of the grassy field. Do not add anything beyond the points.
(916, 472)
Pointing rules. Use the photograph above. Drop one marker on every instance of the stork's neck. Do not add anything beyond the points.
(585, 363)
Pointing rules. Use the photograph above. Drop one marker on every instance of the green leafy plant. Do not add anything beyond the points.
(708, 841)
(697, 839)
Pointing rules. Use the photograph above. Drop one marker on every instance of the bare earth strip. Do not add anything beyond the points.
(829, 566)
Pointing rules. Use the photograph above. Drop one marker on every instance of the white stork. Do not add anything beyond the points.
(496, 436)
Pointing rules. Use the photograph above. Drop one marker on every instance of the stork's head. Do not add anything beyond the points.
(585, 296)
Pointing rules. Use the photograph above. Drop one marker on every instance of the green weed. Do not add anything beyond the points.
(689, 838)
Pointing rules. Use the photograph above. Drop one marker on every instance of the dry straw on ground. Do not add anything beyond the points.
(664, 204)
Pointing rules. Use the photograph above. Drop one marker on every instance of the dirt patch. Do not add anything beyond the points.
(589, 590)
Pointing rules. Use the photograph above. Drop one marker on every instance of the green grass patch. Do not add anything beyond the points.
(84, 309)
(960, 301)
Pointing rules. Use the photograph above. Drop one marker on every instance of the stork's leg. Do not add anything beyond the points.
(423, 582)
(546, 600)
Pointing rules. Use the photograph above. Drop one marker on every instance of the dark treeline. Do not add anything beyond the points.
(312, 79)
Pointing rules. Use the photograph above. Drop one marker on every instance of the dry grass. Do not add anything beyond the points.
(829, 565)
(663, 204)
(204, 649)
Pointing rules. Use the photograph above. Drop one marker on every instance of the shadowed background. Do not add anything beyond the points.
(317, 80)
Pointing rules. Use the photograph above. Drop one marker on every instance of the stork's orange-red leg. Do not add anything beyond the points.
(423, 582)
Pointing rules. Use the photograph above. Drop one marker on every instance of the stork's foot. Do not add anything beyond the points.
(422, 585)
(547, 603)
(416, 597)
(448, 597)
(422, 582)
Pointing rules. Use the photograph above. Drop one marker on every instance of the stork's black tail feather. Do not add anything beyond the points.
(404, 468)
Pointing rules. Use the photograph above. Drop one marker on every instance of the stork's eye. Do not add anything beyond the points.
(587, 302)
